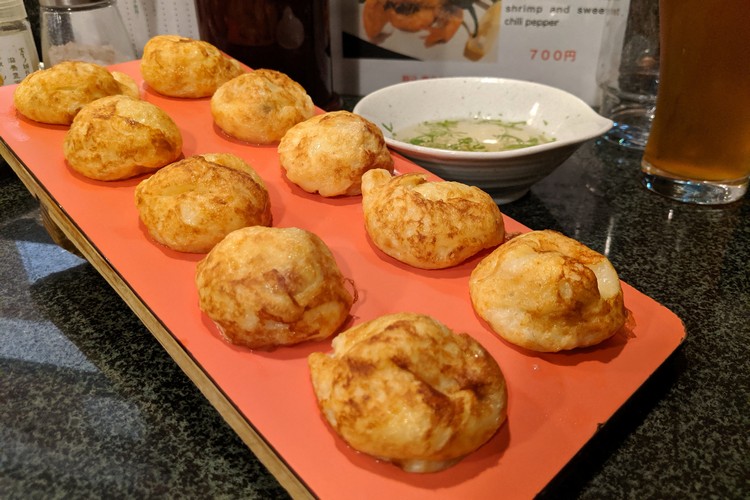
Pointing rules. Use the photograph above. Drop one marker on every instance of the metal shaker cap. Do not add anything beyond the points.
(64, 4)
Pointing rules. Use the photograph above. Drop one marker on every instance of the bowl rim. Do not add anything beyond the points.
(603, 123)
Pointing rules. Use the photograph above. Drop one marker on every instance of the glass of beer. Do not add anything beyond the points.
(698, 150)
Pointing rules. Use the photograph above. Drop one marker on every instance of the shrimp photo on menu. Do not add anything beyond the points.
(469, 27)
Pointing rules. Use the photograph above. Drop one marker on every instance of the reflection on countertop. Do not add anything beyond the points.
(92, 406)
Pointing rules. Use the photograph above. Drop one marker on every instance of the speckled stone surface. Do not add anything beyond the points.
(91, 406)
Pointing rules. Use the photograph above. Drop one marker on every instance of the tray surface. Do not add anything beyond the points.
(556, 401)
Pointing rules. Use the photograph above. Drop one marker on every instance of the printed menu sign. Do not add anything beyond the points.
(555, 42)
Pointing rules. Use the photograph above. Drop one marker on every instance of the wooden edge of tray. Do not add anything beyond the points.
(231, 415)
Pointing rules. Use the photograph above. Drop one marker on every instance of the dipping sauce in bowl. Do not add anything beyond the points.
(475, 134)
(534, 129)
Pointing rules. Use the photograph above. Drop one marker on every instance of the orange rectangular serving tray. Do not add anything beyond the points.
(556, 401)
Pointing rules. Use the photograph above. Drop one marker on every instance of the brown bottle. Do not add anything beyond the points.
(292, 36)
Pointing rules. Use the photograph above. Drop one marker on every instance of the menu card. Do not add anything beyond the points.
(556, 42)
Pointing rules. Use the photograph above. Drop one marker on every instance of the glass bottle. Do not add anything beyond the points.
(83, 30)
(18, 55)
(628, 71)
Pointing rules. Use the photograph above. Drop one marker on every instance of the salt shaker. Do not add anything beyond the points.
(83, 30)
(18, 55)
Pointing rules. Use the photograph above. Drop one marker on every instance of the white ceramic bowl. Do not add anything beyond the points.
(506, 175)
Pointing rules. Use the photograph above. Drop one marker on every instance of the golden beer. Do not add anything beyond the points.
(701, 130)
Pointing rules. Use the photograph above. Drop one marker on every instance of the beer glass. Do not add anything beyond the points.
(698, 150)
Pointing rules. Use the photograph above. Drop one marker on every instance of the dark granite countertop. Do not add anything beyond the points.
(91, 405)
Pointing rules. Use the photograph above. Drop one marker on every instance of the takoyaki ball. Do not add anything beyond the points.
(177, 66)
(260, 106)
(546, 292)
(192, 204)
(328, 153)
(119, 137)
(406, 389)
(266, 287)
(429, 225)
(128, 86)
(56, 95)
